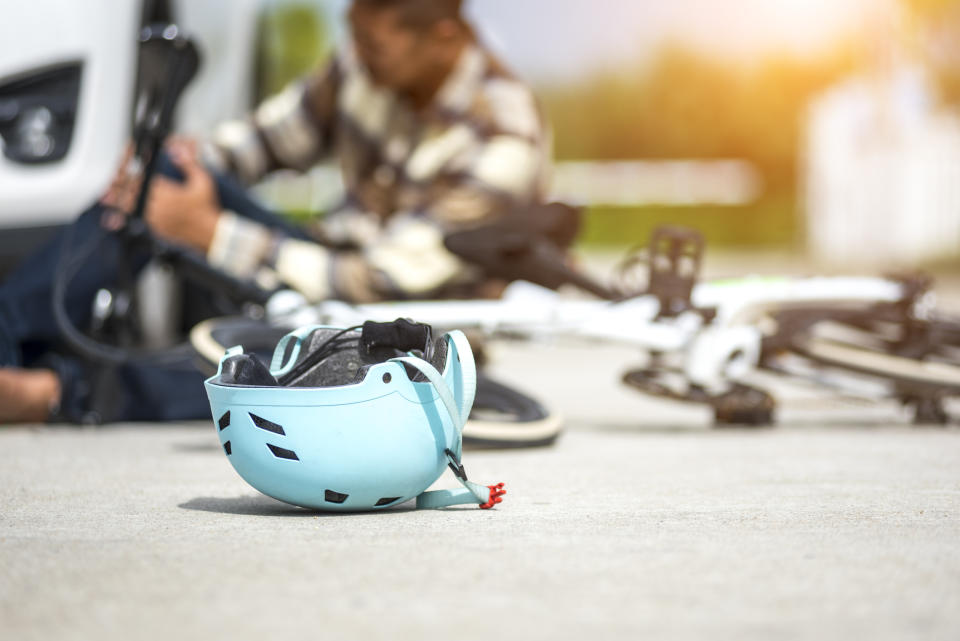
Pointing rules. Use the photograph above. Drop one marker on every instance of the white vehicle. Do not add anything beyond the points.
(67, 80)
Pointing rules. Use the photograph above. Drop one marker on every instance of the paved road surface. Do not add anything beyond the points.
(640, 523)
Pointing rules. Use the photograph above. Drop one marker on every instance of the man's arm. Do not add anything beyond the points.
(290, 130)
(500, 166)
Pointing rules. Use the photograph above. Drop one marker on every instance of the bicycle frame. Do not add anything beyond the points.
(715, 352)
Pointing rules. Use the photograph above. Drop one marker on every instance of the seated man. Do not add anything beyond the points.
(432, 135)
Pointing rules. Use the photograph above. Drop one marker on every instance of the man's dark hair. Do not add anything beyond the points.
(420, 14)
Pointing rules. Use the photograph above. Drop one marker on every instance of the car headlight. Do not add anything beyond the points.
(37, 114)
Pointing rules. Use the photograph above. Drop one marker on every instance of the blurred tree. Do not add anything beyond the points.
(939, 33)
(930, 7)
(293, 39)
(685, 104)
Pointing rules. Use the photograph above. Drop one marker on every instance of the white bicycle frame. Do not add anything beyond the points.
(714, 353)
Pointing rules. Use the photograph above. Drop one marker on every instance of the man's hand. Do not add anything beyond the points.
(187, 212)
(121, 196)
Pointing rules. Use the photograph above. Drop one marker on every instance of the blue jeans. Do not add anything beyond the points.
(139, 390)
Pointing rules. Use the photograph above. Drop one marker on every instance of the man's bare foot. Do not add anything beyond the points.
(27, 395)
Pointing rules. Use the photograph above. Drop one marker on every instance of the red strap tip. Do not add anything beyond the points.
(496, 491)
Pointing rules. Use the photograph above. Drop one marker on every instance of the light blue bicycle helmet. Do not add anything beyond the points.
(360, 418)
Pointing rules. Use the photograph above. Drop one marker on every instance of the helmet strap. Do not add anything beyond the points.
(471, 492)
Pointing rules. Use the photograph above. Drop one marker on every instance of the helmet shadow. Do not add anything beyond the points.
(261, 505)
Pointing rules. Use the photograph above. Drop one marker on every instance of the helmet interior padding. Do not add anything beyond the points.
(350, 356)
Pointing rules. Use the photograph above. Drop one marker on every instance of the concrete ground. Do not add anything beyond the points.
(641, 522)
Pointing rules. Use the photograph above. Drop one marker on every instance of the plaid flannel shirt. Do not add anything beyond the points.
(409, 176)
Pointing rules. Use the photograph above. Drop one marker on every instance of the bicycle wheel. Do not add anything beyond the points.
(502, 416)
(740, 406)
(211, 338)
(918, 360)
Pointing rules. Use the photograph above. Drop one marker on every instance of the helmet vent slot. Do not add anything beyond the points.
(226, 448)
(387, 501)
(334, 497)
(224, 421)
(269, 426)
(281, 452)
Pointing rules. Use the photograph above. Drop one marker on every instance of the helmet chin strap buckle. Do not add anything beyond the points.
(494, 493)
(455, 465)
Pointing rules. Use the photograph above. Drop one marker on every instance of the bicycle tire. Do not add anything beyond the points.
(502, 416)
(858, 344)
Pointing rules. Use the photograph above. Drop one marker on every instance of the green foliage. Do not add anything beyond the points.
(293, 39)
(772, 221)
(686, 105)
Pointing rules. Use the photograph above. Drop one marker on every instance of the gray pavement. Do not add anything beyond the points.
(642, 522)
